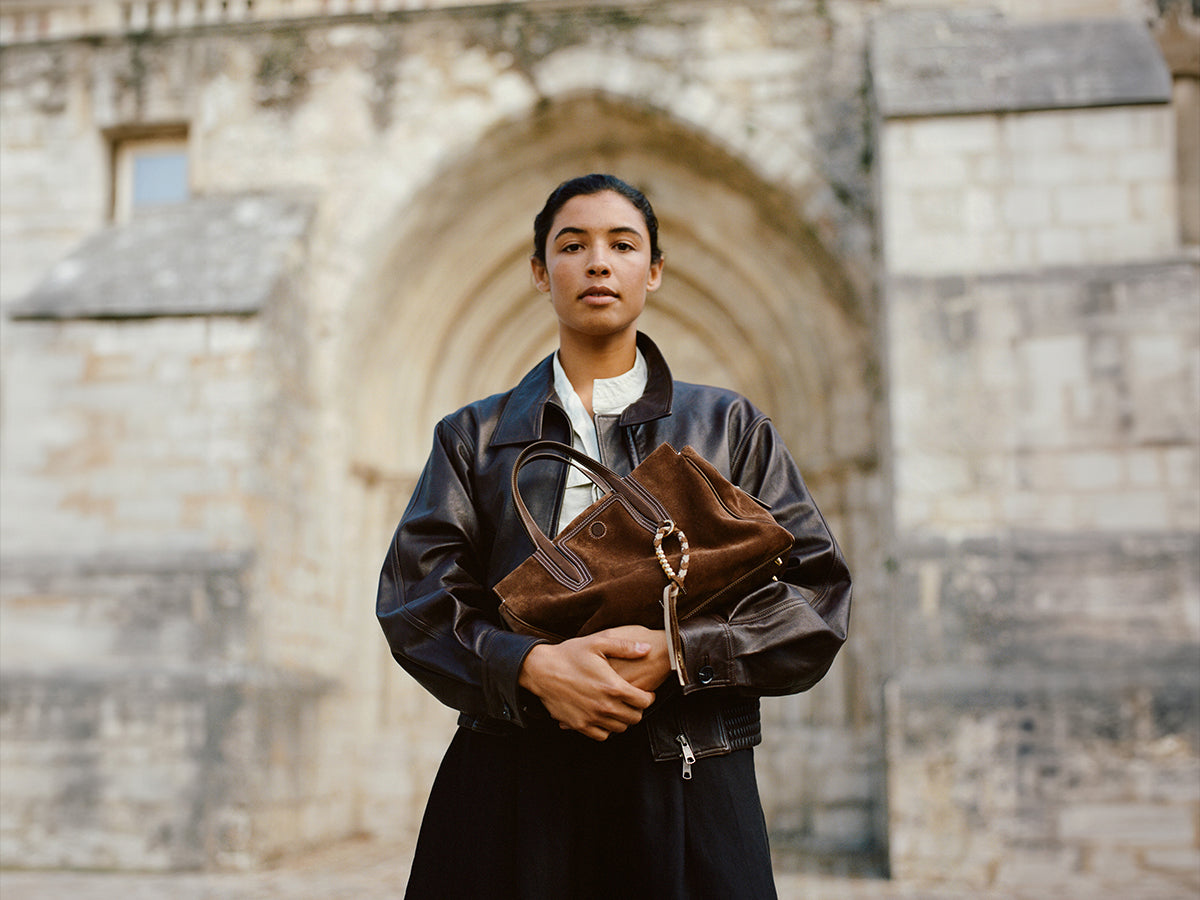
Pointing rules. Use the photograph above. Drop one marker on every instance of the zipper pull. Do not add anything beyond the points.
(688, 756)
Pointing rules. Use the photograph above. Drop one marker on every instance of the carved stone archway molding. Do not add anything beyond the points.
(750, 299)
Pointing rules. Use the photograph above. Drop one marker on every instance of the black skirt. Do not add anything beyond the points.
(547, 814)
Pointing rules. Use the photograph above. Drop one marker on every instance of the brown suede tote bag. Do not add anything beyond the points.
(625, 559)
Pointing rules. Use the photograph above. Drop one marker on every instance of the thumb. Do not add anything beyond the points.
(621, 648)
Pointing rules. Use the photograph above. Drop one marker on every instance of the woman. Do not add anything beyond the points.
(579, 769)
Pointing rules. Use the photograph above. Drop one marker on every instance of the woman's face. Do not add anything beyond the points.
(597, 269)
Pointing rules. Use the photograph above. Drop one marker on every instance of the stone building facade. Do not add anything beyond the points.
(951, 251)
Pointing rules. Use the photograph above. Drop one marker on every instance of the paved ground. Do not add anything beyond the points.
(369, 870)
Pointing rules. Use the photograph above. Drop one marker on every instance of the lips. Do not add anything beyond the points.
(598, 292)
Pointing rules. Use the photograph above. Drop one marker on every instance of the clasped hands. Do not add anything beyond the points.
(599, 684)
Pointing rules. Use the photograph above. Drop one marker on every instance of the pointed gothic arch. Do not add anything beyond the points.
(750, 299)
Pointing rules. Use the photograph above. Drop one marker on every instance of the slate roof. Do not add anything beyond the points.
(946, 62)
(208, 256)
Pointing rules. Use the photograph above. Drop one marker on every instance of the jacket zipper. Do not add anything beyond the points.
(688, 756)
(775, 561)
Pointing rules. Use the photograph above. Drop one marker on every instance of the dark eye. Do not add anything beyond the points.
(624, 246)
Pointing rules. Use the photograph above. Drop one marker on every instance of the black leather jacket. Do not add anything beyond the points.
(461, 534)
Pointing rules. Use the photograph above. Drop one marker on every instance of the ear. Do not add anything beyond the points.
(655, 277)
(541, 277)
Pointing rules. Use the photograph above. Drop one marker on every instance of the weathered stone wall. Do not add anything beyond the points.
(1051, 777)
(124, 711)
(1043, 725)
(988, 193)
(139, 731)
(139, 437)
(1044, 384)
(147, 723)
(1064, 401)
(1006, 421)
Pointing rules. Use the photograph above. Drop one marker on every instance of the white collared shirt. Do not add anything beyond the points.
(610, 397)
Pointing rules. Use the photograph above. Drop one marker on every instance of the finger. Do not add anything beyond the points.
(601, 724)
(634, 699)
(601, 730)
(620, 648)
(617, 697)
(618, 718)
(617, 727)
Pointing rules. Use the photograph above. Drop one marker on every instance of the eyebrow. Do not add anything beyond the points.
(620, 229)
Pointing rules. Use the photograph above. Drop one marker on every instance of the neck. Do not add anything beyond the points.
(585, 358)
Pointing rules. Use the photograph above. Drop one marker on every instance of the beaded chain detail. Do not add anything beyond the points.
(663, 531)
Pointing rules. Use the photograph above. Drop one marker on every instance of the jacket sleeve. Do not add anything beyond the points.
(439, 619)
(783, 637)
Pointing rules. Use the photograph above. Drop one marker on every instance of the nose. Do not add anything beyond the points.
(598, 265)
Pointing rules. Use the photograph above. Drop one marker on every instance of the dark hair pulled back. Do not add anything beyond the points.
(586, 185)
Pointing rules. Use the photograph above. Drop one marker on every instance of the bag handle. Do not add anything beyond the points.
(630, 492)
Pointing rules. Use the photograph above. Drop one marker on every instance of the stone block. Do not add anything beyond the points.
(1055, 359)
(1095, 471)
(159, 787)
(1020, 779)
(1113, 510)
(1182, 467)
(101, 613)
(1156, 203)
(968, 514)
(1062, 247)
(1046, 868)
(1091, 205)
(981, 209)
(1037, 134)
(845, 826)
(1146, 468)
(938, 210)
(938, 167)
(1025, 207)
(1114, 130)
(1129, 825)
(1122, 243)
(896, 144)
(935, 474)
(1055, 168)
(1184, 861)
(954, 136)
(1151, 165)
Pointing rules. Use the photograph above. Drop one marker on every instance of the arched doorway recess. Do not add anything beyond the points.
(750, 300)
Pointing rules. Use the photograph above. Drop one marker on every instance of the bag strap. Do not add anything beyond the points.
(640, 501)
(636, 497)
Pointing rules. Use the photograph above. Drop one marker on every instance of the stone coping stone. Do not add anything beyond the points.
(952, 62)
(219, 255)
(1171, 669)
(184, 679)
(124, 562)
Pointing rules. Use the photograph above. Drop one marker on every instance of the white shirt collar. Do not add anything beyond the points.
(610, 396)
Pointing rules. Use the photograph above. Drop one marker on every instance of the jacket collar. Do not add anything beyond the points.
(521, 422)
